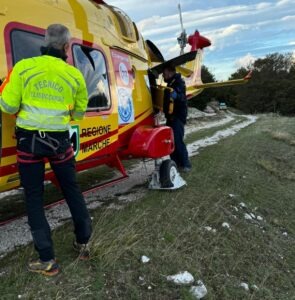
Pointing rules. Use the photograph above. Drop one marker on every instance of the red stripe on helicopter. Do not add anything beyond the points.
(8, 151)
(8, 170)
(12, 168)
(136, 117)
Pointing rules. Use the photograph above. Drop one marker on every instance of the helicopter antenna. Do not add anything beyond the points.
(182, 39)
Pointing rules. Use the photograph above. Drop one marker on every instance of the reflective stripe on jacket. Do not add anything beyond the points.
(45, 92)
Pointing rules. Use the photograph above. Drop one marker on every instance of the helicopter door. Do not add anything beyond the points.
(97, 133)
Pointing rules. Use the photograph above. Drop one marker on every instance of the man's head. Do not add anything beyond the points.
(57, 36)
(168, 72)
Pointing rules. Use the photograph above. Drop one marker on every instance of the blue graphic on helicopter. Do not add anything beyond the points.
(126, 112)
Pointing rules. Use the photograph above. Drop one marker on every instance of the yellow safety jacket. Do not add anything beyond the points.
(45, 92)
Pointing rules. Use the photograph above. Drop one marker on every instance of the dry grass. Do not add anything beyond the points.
(284, 137)
(278, 167)
(268, 166)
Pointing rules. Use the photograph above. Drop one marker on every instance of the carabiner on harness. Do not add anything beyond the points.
(42, 134)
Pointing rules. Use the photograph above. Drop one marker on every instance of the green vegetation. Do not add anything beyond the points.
(254, 167)
(271, 89)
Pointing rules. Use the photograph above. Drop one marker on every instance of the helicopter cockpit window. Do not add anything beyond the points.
(127, 27)
(92, 64)
(25, 44)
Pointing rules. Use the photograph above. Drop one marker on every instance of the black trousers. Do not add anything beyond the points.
(32, 149)
(180, 154)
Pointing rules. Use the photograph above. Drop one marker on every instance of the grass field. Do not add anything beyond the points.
(246, 181)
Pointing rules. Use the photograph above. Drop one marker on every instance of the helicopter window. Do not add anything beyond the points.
(25, 44)
(127, 27)
(92, 64)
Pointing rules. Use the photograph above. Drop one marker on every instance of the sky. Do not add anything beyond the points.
(240, 31)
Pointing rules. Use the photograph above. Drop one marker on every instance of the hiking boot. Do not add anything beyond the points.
(83, 250)
(185, 169)
(47, 268)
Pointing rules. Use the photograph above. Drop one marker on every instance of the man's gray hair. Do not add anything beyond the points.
(56, 36)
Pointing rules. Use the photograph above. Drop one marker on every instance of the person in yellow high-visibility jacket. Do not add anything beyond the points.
(46, 93)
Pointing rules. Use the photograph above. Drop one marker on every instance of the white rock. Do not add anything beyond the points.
(247, 216)
(149, 287)
(242, 204)
(145, 259)
(245, 286)
(254, 287)
(182, 278)
(259, 218)
(232, 195)
(235, 208)
(252, 215)
(225, 225)
(285, 233)
(208, 228)
(19, 296)
(199, 291)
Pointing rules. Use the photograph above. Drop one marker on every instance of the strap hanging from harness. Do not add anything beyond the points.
(45, 139)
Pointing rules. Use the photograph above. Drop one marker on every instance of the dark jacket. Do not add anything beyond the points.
(180, 102)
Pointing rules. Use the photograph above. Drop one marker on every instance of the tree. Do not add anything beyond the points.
(271, 88)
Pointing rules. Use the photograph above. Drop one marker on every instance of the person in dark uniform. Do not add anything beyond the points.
(46, 93)
(176, 119)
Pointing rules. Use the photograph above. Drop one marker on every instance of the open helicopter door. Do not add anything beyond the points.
(159, 92)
